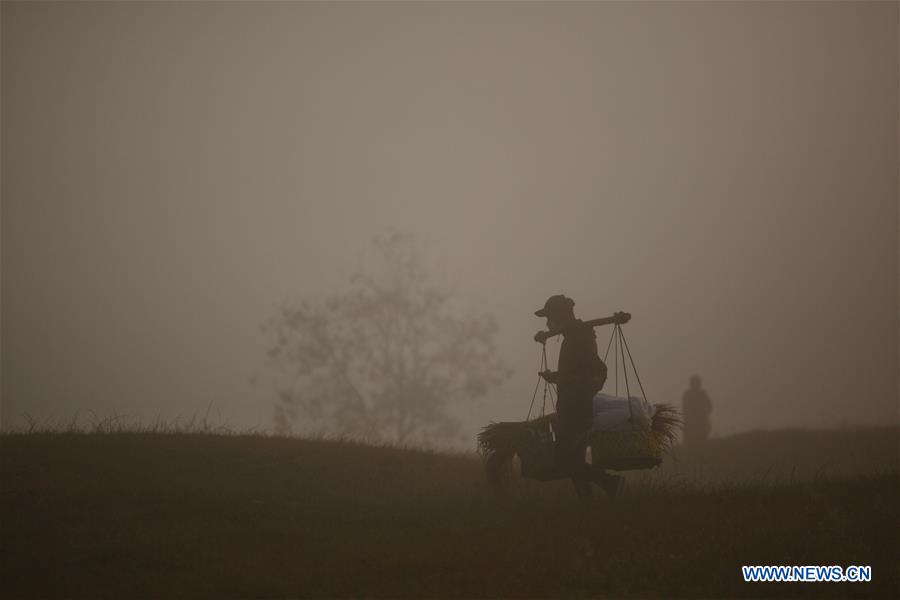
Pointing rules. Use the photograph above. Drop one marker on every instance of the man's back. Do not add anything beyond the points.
(577, 361)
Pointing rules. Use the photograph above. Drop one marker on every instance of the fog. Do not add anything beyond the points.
(728, 173)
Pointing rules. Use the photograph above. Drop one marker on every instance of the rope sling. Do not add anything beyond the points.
(616, 440)
(621, 349)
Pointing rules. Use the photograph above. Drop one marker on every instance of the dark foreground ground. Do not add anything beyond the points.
(128, 515)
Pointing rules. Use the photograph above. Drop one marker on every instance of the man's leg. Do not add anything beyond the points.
(581, 471)
(583, 488)
(611, 484)
(568, 452)
(582, 474)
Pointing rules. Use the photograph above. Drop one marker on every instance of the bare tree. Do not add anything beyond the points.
(385, 358)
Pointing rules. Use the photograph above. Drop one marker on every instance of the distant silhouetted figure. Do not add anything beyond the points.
(695, 409)
(581, 373)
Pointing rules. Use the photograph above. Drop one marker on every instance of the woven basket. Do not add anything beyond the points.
(625, 450)
(538, 456)
(533, 442)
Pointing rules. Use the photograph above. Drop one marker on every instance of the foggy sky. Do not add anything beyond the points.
(726, 172)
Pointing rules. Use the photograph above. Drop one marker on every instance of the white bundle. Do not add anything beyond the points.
(614, 413)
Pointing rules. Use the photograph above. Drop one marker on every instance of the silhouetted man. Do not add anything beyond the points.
(695, 409)
(581, 374)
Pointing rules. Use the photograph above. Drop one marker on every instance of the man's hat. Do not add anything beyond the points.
(555, 305)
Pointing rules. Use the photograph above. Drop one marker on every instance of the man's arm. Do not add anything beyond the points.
(579, 367)
(619, 318)
(550, 376)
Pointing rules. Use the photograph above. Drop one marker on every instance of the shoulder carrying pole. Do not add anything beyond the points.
(617, 319)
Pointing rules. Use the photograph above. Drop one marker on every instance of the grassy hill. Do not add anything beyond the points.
(188, 515)
(787, 455)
